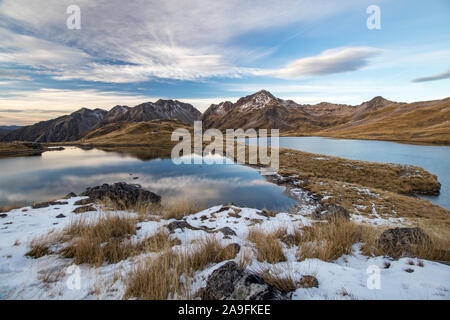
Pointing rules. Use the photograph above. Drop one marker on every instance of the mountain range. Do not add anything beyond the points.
(74, 126)
(378, 118)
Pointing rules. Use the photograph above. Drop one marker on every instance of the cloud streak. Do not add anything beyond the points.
(328, 62)
(440, 76)
(146, 39)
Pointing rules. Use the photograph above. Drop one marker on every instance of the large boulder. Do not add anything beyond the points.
(231, 282)
(121, 194)
(331, 211)
(401, 241)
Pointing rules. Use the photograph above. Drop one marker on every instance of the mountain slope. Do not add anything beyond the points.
(259, 110)
(427, 122)
(121, 133)
(162, 109)
(378, 118)
(66, 128)
(74, 126)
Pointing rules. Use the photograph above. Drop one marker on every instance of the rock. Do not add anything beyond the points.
(289, 239)
(232, 248)
(331, 211)
(181, 224)
(400, 241)
(266, 213)
(84, 209)
(227, 231)
(59, 216)
(3, 215)
(231, 282)
(70, 195)
(83, 202)
(308, 282)
(121, 194)
(48, 204)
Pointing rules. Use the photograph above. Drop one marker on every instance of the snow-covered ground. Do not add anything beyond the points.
(22, 277)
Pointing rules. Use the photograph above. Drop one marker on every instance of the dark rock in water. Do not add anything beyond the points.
(59, 216)
(70, 195)
(84, 209)
(309, 282)
(400, 241)
(331, 211)
(3, 215)
(48, 204)
(231, 282)
(121, 194)
(227, 231)
(135, 178)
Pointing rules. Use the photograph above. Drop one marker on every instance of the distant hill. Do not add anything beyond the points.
(379, 118)
(74, 126)
(123, 133)
(6, 129)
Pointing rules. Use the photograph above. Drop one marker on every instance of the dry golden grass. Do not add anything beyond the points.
(51, 275)
(107, 240)
(11, 149)
(177, 208)
(99, 241)
(328, 241)
(41, 246)
(10, 207)
(423, 122)
(388, 177)
(267, 245)
(437, 249)
(168, 274)
(281, 278)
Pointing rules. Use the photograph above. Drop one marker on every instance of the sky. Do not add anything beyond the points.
(203, 52)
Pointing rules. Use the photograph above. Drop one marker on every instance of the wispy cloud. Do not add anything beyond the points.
(331, 61)
(146, 39)
(440, 76)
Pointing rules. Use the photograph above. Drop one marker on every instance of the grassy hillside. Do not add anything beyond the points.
(419, 122)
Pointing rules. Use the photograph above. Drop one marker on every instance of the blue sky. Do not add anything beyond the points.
(204, 52)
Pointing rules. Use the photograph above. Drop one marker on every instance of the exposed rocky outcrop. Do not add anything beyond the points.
(121, 195)
(182, 224)
(84, 209)
(331, 211)
(231, 282)
(401, 241)
(308, 281)
(48, 204)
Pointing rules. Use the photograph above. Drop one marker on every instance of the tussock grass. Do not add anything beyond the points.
(106, 239)
(281, 278)
(168, 275)
(172, 208)
(101, 240)
(267, 244)
(330, 240)
(437, 249)
(177, 208)
(41, 246)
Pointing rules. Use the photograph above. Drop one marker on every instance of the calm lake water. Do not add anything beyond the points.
(435, 159)
(25, 180)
